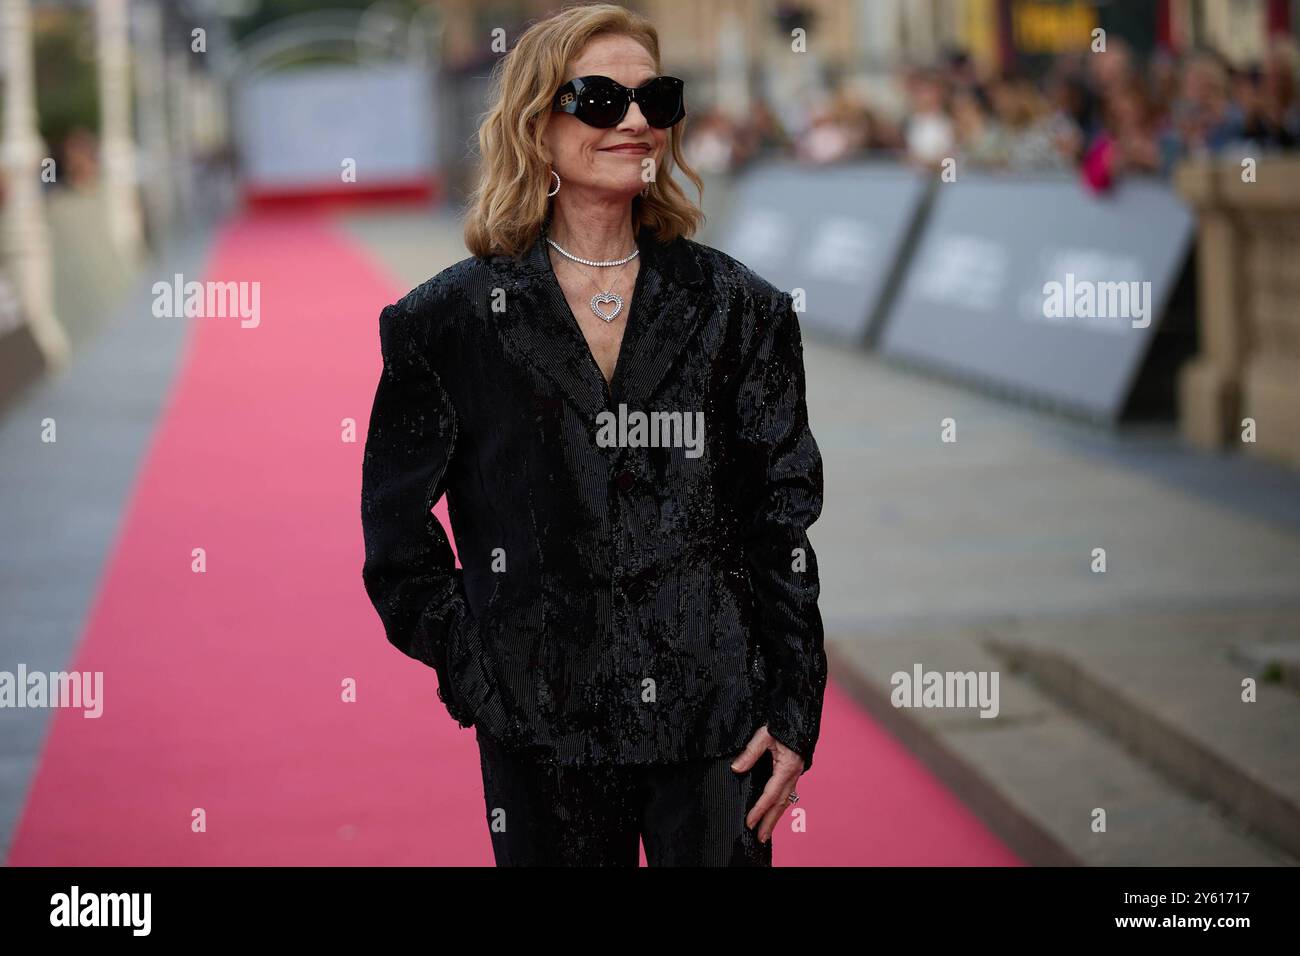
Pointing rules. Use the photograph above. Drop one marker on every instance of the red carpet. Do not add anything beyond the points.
(223, 690)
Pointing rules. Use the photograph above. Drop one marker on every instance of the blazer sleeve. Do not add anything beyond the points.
(785, 468)
(410, 572)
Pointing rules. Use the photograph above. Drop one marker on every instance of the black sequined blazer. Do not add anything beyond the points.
(627, 593)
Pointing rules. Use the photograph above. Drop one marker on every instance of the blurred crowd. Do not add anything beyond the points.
(1100, 114)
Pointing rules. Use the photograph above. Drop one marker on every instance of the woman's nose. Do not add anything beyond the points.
(634, 120)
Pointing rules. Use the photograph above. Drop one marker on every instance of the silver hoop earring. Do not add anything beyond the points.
(557, 183)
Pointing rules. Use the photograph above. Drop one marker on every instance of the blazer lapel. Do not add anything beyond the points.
(667, 312)
(541, 327)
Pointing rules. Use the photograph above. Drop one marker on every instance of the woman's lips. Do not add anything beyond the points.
(626, 149)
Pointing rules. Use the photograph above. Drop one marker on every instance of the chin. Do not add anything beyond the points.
(623, 189)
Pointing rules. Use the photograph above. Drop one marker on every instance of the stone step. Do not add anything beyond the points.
(1169, 686)
(1037, 772)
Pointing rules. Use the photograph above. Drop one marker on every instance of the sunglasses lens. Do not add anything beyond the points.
(661, 102)
(601, 105)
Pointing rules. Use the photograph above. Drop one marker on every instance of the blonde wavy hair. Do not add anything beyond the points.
(509, 204)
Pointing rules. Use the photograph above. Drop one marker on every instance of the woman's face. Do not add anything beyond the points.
(586, 157)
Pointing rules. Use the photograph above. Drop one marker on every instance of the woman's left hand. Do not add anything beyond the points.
(786, 768)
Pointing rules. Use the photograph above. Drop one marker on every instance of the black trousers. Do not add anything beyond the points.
(687, 814)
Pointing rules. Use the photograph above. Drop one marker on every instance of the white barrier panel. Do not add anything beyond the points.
(298, 127)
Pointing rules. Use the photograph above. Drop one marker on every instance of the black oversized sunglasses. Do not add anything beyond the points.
(601, 102)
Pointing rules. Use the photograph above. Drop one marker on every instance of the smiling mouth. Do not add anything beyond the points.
(627, 148)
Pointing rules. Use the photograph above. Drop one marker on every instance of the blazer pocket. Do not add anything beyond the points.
(469, 673)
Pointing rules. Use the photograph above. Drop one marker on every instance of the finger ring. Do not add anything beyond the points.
(793, 798)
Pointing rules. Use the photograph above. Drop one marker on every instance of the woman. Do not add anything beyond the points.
(617, 416)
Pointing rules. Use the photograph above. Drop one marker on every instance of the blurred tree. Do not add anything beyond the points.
(66, 88)
(268, 11)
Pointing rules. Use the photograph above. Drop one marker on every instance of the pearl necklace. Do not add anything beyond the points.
(607, 295)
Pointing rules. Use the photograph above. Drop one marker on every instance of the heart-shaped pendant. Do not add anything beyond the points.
(600, 297)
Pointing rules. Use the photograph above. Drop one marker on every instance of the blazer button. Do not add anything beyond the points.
(636, 589)
(625, 480)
